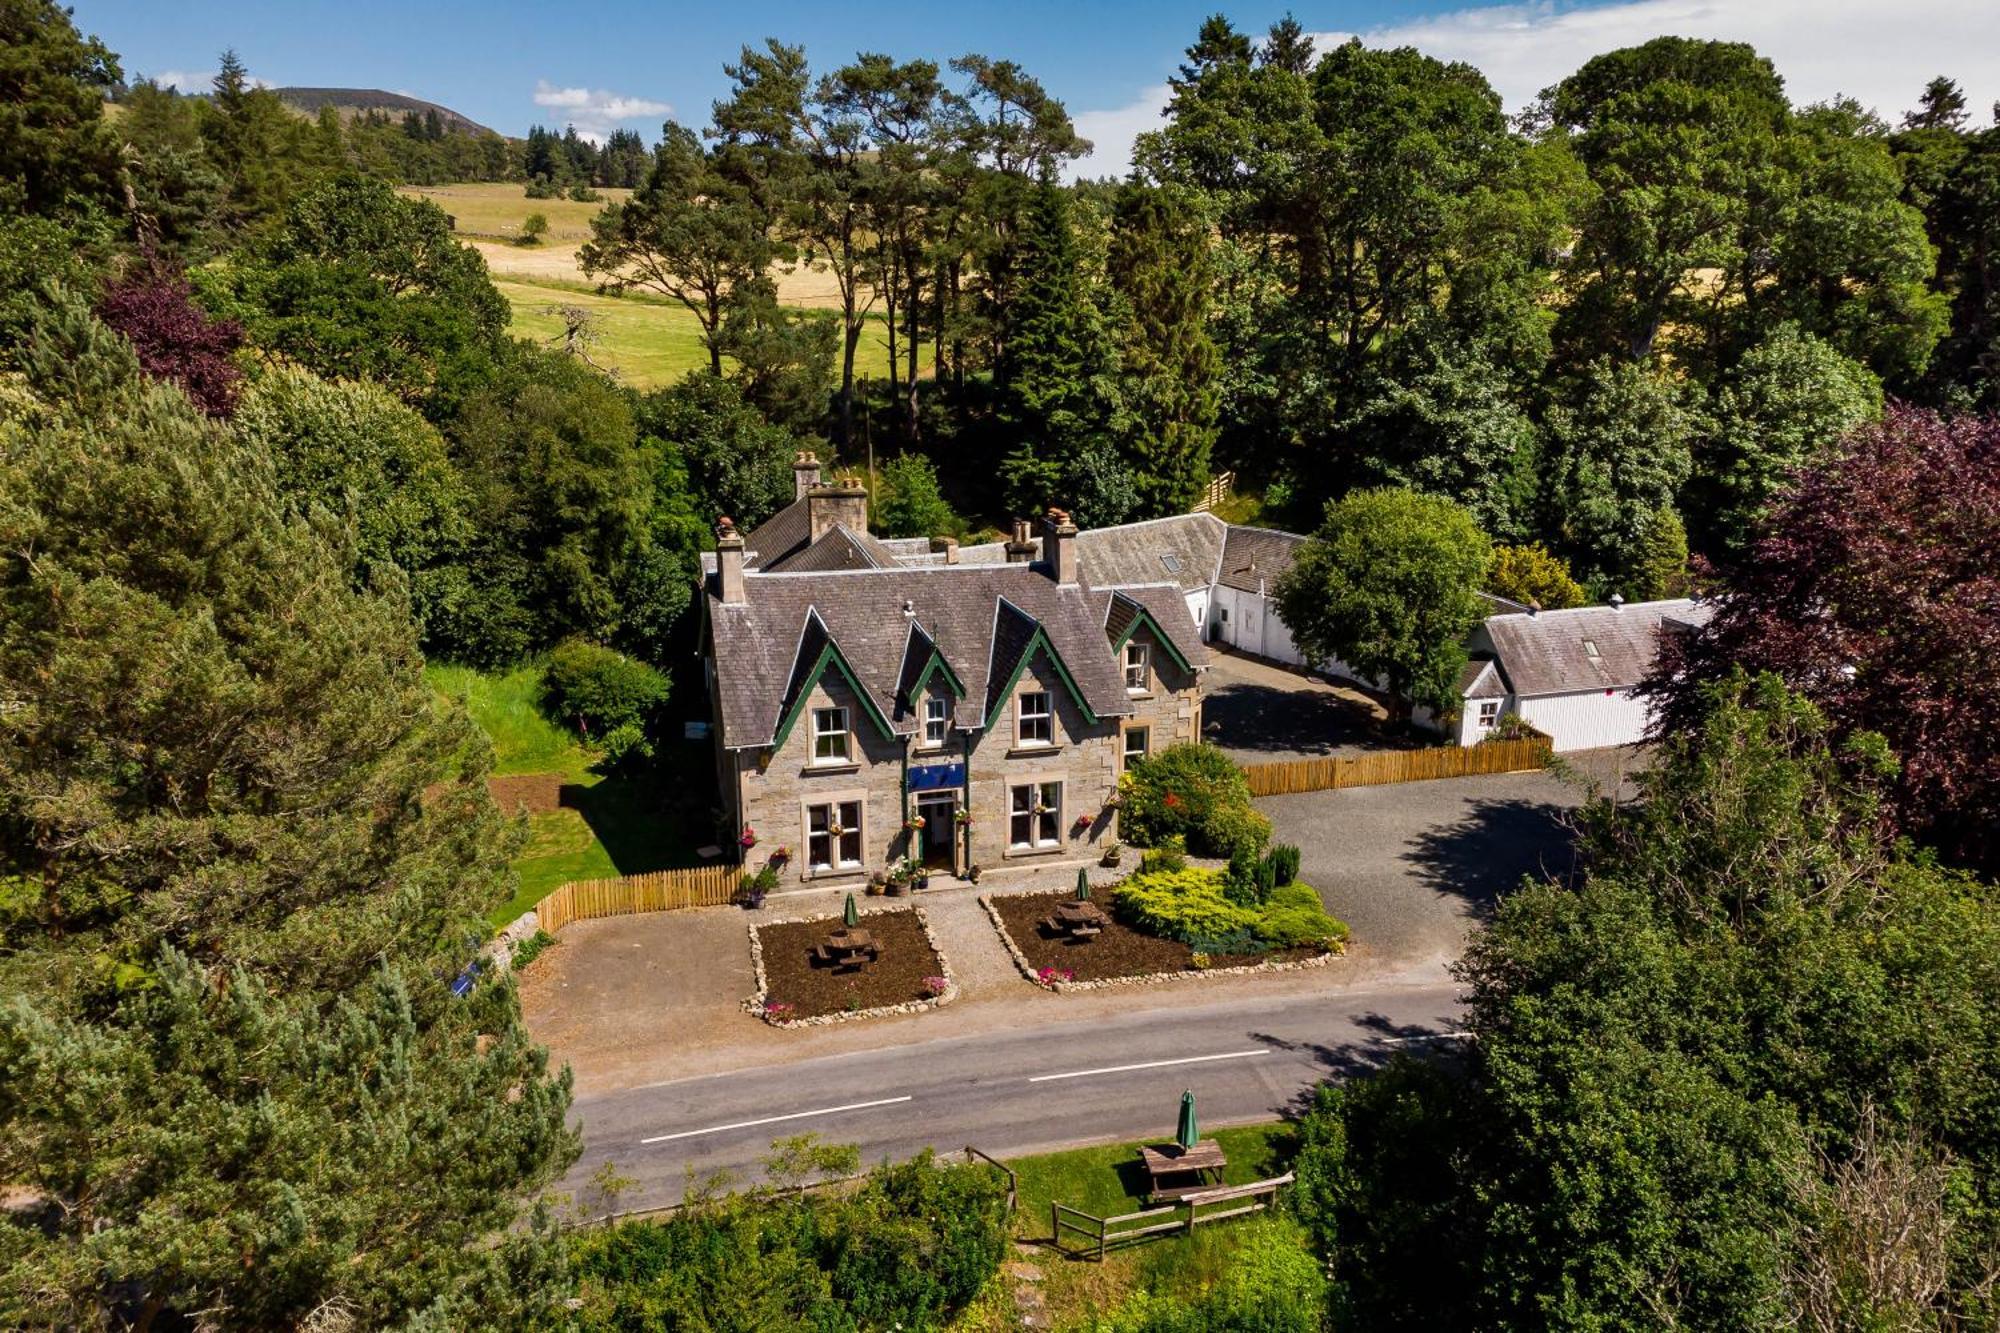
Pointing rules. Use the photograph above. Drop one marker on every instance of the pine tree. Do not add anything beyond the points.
(1057, 365)
(244, 850)
(1159, 265)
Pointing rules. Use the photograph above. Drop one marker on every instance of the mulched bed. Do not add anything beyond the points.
(896, 977)
(1119, 952)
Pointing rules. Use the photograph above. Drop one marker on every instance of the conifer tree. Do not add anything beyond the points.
(244, 852)
(1159, 265)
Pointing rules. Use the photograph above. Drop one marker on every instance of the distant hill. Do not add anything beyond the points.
(351, 102)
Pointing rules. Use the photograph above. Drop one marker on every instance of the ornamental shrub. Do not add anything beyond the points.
(1198, 792)
(1284, 864)
(1294, 916)
(1171, 854)
(1190, 905)
(601, 692)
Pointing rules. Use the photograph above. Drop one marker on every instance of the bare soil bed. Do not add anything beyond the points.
(897, 975)
(1120, 951)
(538, 792)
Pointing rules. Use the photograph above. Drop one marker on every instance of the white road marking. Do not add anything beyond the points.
(1149, 1064)
(773, 1119)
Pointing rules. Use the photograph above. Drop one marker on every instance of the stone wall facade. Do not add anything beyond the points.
(774, 792)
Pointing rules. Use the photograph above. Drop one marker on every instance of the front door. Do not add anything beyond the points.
(939, 830)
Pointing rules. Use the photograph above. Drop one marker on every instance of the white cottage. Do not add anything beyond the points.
(1569, 674)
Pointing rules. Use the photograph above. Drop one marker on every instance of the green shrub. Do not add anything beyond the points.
(581, 193)
(1294, 915)
(1198, 792)
(1273, 1284)
(1284, 864)
(600, 692)
(1190, 905)
(528, 950)
(1171, 854)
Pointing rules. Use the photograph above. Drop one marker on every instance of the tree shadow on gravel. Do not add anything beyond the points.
(1380, 1041)
(1496, 844)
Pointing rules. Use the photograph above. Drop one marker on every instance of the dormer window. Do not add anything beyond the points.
(937, 720)
(830, 736)
(1033, 725)
(1138, 668)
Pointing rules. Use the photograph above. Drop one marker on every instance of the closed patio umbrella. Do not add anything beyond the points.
(1082, 885)
(850, 916)
(1189, 1133)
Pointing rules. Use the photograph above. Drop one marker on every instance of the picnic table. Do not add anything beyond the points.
(1173, 1172)
(850, 947)
(1080, 920)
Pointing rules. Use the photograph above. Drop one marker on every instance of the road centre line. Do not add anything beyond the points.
(773, 1119)
(1150, 1064)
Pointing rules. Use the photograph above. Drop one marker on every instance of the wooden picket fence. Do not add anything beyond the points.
(1215, 492)
(657, 891)
(1292, 776)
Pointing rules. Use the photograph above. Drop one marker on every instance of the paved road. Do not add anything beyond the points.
(1009, 1092)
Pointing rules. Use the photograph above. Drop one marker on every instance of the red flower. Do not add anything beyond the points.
(1173, 801)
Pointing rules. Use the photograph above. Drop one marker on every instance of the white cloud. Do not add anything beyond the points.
(197, 81)
(594, 111)
(1880, 54)
(1111, 133)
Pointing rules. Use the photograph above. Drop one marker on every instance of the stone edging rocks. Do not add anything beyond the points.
(1027, 969)
(755, 1004)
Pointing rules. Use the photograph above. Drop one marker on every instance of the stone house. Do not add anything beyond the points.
(870, 702)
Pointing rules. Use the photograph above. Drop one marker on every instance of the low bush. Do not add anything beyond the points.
(910, 1249)
(1284, 860)
(528, 950)
(600, 691)
(581, 193)
(1189, 905)
(1273, 1284)
(1293, 915)
(1171, 854)
(1198, 792)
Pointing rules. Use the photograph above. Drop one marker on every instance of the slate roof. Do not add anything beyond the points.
(1183, 550)
(1254, 558)
(1584, 648)
(1480, 679)
(837, 548)
(778, 536)
(760, 645)
(1165, 606)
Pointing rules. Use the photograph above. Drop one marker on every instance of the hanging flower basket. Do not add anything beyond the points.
(1082, 823)
(782, 855)
(961, 816)
(748, 838)
(835, 831)
(914, 823)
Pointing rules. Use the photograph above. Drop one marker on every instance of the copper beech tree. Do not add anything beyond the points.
(1873, 588)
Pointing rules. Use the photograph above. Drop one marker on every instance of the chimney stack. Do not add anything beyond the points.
(1020, 547)
(948, 545)
(845, 502)
(805, 473)
(729, 561)
(1059, 546)
(1617, 602)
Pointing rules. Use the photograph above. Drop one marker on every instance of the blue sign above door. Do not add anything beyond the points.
(930, 777)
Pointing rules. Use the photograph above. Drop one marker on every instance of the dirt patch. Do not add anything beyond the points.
(796, 978)
(1120, 951)
(539, 792)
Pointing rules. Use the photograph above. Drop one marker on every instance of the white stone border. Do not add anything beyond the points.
(1028, 970)
(756, 1003)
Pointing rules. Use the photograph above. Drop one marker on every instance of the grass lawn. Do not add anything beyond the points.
(1245, 507)
(648, 341)
(582, 824)
(1107, 1181)
(497, 208)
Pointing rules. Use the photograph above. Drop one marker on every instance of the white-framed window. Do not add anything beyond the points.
(833, 836)
(830, 743)
(937, 719)
(1489, 712)
(1033, 725)
(1138, 744)
(1138, 667)
(1034, 815)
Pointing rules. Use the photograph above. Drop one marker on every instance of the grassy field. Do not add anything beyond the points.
(1106, 1181)
(647, 344)
(497, 208)
(605, 825)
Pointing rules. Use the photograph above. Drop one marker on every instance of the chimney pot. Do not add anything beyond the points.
(1059, 547)
(805, 473)
(1617, 602)
(1021, 548)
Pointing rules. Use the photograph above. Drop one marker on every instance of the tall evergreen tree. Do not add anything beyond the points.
(1159, 266)
(243, 852)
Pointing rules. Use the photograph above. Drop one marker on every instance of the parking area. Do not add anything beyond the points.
(1259, 712)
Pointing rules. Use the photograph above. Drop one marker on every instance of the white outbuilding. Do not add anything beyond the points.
(1569, 674)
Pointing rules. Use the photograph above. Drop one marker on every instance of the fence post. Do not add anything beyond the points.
(1190, 1222)
(1102, 1228)
(1055, 1224)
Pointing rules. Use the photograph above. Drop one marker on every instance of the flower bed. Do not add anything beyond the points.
(1121, 955)
(794, 990)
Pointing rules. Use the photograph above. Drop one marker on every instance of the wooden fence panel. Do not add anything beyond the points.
(1215, 492)
(656, 891)
(1290, 777)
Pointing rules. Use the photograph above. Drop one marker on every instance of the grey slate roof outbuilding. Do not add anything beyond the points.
(1586, 648)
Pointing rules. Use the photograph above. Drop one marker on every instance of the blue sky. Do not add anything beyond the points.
(626, 63)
